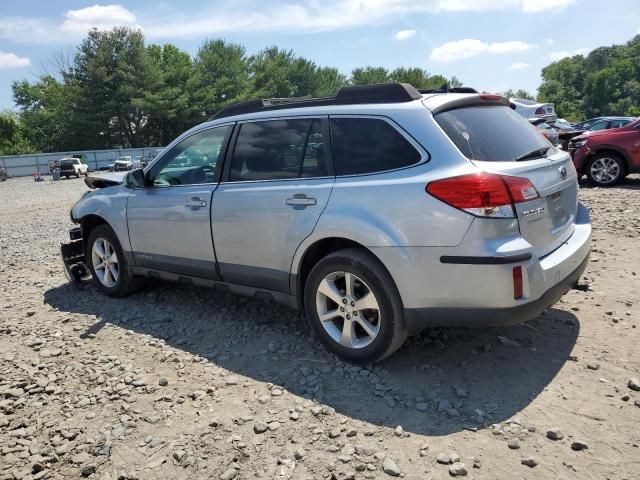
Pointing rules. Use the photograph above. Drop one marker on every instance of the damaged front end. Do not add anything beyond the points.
(73, 259)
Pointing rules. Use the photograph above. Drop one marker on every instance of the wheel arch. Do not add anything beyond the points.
(313, 253)
(88, 223)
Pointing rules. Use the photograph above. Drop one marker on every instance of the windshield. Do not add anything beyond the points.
(491, 134)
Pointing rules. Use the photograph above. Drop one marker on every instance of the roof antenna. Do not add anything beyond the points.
(445, 88)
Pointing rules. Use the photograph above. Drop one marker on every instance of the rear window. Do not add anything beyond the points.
(367, 145)
(491, 134)
(66, 163)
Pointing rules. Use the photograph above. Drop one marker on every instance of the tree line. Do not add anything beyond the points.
(605, 82)
(118, 92)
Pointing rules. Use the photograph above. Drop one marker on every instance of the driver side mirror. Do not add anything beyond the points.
(135, 179)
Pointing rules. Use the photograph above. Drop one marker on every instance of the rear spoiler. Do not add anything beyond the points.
(479, 100)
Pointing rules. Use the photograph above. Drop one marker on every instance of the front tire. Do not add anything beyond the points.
(354, 307)
(605, 170)
(108, 265)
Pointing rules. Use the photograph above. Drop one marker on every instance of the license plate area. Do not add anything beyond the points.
(557, 211)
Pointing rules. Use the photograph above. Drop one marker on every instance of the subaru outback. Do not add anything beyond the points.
(377, 212)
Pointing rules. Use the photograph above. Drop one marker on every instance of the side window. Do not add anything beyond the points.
(367, 145)
(599, 126)
(193, 160)
(618, 123)
(279, 149)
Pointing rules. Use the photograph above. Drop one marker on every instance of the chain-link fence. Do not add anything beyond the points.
(24, 165)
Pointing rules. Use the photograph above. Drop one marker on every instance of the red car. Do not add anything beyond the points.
(607, 156)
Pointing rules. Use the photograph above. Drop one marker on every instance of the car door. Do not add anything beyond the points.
(277, 181)
(170, 220)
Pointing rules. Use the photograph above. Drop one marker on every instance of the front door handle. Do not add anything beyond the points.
(195, 202)
(300, 200)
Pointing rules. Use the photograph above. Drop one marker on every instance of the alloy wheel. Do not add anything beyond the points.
(105, 262)
(348, 310)
(605, 170)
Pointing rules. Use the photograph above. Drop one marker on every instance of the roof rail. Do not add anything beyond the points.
(354, 95)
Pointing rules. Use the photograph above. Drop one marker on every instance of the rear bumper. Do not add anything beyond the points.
(472, 284)
(418, 318)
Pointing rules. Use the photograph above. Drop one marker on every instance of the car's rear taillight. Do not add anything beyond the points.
(539, 111)
(484, 194)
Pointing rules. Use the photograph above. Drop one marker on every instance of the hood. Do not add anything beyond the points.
(104, 179)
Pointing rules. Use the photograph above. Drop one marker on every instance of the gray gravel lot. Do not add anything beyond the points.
(187, 383)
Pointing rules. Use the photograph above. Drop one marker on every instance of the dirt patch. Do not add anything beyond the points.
(187, 383)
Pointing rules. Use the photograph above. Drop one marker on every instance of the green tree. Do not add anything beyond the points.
(111, 74)
(605, 82)
(12, 140)
(167, 102)
(220, 77)
(417, 77)
(520, 93)
(369, 75)
(46, 113)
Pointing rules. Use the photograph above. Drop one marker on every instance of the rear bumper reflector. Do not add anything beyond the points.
(517, 282)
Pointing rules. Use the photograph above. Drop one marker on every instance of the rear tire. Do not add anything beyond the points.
(605, 169)
(353, 279)
(108, 264)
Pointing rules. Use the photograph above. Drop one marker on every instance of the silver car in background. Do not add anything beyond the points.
(377, 212)
(533, 109)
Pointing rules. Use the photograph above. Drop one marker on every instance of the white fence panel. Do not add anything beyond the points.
(24, 165)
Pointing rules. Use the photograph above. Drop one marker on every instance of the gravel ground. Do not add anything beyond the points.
(187, 383)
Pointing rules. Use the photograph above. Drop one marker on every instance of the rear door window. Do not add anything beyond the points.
(279, 149)
(368, 145)
(491, 134)
(618, 123)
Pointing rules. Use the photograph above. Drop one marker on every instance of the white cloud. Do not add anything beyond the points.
(404, 34)
(168, 21)
(102, 17)
(559, 55)
(469, 47)
(534, 6)
(550, 41)
(11, 60)
(518, 66)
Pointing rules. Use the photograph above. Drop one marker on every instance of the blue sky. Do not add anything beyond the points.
(489, 44)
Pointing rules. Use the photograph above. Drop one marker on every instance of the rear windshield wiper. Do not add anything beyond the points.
(537, 153)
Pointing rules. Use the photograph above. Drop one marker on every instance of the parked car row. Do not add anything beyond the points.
(607, 156)
(605, 149)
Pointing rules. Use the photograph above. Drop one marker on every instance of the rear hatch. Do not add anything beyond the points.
(67, 166)
(498, 140)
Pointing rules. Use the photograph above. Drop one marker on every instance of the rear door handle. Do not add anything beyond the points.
(195, 202)
(300, 200)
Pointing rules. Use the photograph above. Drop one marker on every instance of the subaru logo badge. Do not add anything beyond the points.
(563, 172)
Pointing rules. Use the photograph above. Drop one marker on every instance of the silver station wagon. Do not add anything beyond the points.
(377, 212)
